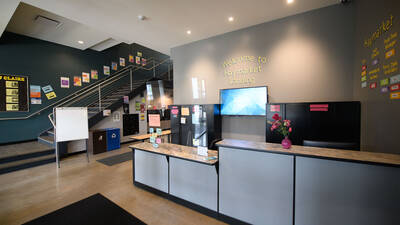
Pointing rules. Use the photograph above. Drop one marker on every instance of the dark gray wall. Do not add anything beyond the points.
(309, 58)
(44, 63)
(379, 116)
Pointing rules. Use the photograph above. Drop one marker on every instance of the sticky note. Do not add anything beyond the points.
(158, 140)
(395, 79)
(395, 87)
(373, 77)
(151, 130)
(159, 131)
(364, 84)
(183, 120)
(384, 82)
(364, 78)
(372, 85)
(363, 73)
(202, 151)
(395, 95)
(389, 53)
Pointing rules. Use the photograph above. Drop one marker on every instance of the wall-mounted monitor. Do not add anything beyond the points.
(244, 101)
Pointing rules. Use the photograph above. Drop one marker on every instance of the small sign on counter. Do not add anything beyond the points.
(202, 151)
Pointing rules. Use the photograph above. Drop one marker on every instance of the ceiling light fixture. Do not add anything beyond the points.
(231, 19)
(290, 1)
(81, 42)
(188, 32)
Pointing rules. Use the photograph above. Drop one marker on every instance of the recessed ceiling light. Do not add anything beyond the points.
(230, 19)
(81, 42)
(290, 1)
(189, 32)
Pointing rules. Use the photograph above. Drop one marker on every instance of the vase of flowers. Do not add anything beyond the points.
(283, 127)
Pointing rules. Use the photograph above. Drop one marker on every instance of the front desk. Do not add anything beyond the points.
(178, 173)
(262, 183)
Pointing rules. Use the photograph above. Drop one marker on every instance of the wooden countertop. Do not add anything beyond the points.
(345, 155)
(147, 136)
(178, 151)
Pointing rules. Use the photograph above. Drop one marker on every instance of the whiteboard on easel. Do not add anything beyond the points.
(71, 123)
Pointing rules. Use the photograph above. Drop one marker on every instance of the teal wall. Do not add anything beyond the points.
(44, 63)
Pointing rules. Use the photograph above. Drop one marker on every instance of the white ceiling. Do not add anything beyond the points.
(168, 20)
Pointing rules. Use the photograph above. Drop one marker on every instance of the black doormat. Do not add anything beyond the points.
(115, 159)
(94, 210)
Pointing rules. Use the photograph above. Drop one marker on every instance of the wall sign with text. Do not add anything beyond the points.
(14, 93)
(243, 69)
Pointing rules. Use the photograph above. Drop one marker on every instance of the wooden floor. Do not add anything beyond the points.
(30, 193)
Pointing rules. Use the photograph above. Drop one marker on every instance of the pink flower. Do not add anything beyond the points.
(290, 130)
(286, 123)
(276, 116)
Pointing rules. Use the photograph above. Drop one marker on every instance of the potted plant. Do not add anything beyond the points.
(283, 127)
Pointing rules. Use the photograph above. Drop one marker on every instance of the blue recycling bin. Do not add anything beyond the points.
(113, 138)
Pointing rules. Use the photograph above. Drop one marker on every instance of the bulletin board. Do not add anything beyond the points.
(14, 93)
(71, 123)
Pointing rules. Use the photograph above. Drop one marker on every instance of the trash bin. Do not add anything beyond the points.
(113, 138)
(98, 142)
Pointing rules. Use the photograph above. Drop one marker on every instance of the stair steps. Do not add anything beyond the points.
(25, 155)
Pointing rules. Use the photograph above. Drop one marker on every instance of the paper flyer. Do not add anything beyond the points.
(395, 95)
(36, 101)
(107, 112)
(47, 89)
(137, 106)
(122, 61)
(51, 95)
(144, 62)
(137, 60)
(114, 66)
(154, 120)
(35, 91)
(131, 59)
(364, 84)
(384, 82)
(372, 85)
(395, 79)
(11, 99)
(94, 74)
(77, 81)
(141, 117)
(85, 77)
(185, 111)
(139, 54)
(64, 82)
(12, 107)
(106, 70)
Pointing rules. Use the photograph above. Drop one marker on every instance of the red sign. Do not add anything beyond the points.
(275, 108)
(364, 67)
(319, 107)
(372, 85)
(395, 87)
(174, 111)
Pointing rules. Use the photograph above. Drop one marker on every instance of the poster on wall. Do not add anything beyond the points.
(137, 106)
(47, 89)
(106, 70)
(51, 95)
(64, 82)
(144, 62)
(94, 74)
(85, 77)
(77, 81)
(122, 61)
(137, 60)
(36, 101)
(130, 58)
(141, 116)
(139, 54)
(114, 66)
(35, 91)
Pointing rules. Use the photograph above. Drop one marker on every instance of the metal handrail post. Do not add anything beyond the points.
(99, 98)
(131, 81)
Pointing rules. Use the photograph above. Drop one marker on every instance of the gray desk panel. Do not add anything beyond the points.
(194, 182)
(332, 192)
(256, 187)
(152, 170)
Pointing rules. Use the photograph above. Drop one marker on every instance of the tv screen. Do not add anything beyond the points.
(244, 101)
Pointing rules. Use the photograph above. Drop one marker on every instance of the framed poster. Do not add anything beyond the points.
(85, 77)
(14, 93)
(77, 81)
(114, 66)
(64, 82)
(137, 60)
(131, 60)
(94, 74)
(122, 61)
(106, 70)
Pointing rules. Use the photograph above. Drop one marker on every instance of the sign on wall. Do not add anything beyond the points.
(14, 93)
(243, 69)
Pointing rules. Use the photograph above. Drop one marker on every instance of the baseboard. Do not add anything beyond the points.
(193, 206)
(17, 142)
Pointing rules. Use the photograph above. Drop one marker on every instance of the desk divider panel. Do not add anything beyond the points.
(256, 187)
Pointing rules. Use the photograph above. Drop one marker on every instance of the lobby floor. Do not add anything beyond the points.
(30, 193)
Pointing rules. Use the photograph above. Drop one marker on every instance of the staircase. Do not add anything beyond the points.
(104, 94)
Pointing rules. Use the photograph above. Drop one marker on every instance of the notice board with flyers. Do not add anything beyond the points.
(14, 93)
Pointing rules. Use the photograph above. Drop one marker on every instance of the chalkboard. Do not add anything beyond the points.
(13, 93)
(71, 124)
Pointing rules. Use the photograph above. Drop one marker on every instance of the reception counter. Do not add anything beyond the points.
(262, 183)
(178, 173)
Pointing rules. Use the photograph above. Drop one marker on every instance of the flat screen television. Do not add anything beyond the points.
(244, 101)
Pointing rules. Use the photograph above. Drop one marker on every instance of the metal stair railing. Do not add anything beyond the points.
(88, 90)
